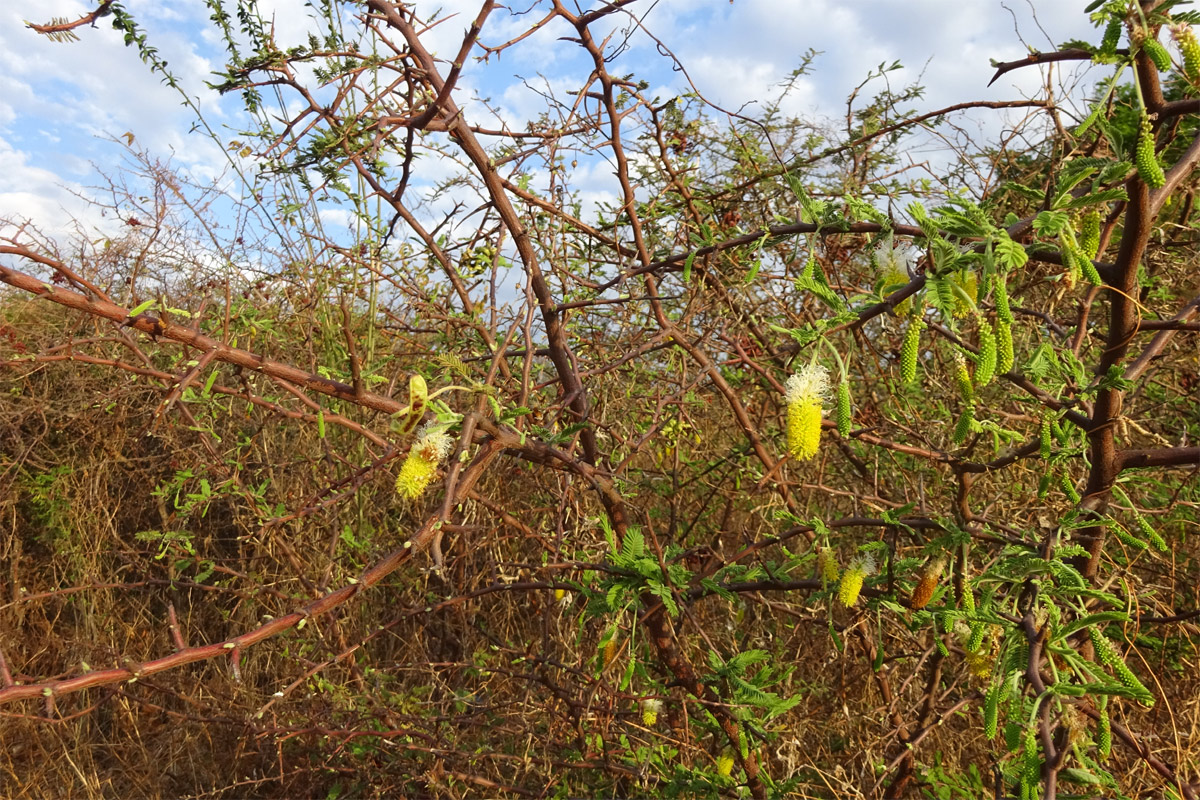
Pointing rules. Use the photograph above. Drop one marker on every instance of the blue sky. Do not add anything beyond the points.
(61, 103)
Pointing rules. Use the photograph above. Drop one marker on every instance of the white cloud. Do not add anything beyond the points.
(32, 194)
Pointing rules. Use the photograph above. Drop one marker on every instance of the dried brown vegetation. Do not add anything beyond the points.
(212, 589)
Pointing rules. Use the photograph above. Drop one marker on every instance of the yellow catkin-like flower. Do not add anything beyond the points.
(893, 273)
(969, 283)
(650, 709)
(805, 392)
(828, 565)
(1189, 49)
(1004, 347)
(421, 465)
(979, 664)
(725, 765)
(852, 581)
(1089, 234)
(985, 366)
(962, 378)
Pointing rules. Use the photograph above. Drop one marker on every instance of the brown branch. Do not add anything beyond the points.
(1033, 59)
(158, 328)
(63, 27)
(1159, 457)
(560, 350)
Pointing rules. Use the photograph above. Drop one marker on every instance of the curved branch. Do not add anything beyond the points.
(57, 29)
(157, 327)
(1033, 59)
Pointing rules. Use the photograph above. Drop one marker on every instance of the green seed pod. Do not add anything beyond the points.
(1104, 734)
(1000, 295)
(908, 350)
(1012, 736)
(1127, 538)
(843, 408)
(1150, 171)
(1190, 49)
(1004, 347)
(1106, 652)
(963, 428)
(978, 629)
(1043, 487)
(1068, 486)
(1071, 276)
(1158, 54)
(1044, 437)
(1089, 234)
(1130, 681)
(1031, 753)
(968, 600)
(1112, 37)
(1148, 531)
(1088, 269)
(985, 368)
(991, 711)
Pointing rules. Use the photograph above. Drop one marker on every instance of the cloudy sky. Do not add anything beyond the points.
(61, 104)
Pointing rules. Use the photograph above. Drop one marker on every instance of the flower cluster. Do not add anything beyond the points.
(431, 447)
(650, 709)
(805, 393)
(893, 272)
(852, 580)
(827, 565)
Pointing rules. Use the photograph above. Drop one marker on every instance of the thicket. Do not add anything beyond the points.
(795, 467)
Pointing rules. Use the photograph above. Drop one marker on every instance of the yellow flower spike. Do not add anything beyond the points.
(805, 392)
(650, 709)
(893, 272)
(725, 765)
(852, 581)
(421, 465)
(1185, 37)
